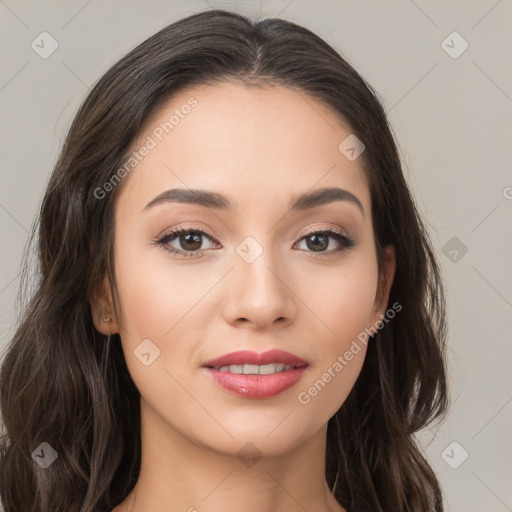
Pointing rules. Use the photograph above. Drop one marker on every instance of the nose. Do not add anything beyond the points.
(259, 294)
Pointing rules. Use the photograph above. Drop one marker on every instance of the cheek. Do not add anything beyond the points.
(342, 303)
(340, 298)
(156, 306)
(352, 304)
(156, 294)
(161, 301)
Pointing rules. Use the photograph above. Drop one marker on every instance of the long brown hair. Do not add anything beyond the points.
(64, 383)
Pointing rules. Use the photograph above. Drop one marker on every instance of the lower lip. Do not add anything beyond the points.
(256, 386)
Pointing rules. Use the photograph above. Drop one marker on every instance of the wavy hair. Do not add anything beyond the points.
(64, 383)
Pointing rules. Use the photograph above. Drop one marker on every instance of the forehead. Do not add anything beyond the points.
(271, 141)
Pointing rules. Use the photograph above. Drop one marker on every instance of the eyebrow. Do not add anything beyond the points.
(312, 199)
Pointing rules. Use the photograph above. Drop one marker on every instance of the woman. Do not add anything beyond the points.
(237, 303)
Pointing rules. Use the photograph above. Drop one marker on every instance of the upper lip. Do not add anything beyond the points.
(255, 358)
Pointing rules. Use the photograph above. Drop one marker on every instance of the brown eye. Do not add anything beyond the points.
(190, 241)
(319, 241)
(315, 242)
(184, 241)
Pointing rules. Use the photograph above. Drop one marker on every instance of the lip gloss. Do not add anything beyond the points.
(256, 386)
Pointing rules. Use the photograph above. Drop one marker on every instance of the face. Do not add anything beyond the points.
(252, 273)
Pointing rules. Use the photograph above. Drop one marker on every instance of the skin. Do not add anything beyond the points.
(260, 148)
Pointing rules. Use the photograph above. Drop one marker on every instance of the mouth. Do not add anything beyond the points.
(255, 375)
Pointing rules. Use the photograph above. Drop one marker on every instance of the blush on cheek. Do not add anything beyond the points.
(344, 306)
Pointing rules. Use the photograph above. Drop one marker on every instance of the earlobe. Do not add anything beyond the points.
(103, 316)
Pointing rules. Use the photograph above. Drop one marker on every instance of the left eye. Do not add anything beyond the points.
(318, 241)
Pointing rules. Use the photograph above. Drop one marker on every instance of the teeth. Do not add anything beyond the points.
(251, 369)
(254, 369)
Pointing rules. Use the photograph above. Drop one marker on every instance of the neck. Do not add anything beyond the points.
(177, 474)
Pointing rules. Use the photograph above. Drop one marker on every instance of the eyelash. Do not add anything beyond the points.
(345, 241)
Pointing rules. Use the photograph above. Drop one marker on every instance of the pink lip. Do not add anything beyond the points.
(250, 357)
(256, 386)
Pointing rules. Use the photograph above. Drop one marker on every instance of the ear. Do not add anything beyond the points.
(102, 310)
(387, 274)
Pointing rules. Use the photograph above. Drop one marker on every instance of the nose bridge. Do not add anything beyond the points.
(257, 288)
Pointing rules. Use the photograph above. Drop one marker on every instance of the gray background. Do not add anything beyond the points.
(451, 117)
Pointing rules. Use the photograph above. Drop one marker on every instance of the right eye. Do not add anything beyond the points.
(190, 240)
